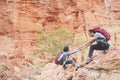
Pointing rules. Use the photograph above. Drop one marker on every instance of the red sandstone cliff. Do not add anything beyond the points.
(21, 21)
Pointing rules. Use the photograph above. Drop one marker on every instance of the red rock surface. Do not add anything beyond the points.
(21, 21)
(103, 67)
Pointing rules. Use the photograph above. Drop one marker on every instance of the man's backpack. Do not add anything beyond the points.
(102, 31)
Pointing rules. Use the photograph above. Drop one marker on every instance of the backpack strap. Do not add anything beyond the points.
(62, 58)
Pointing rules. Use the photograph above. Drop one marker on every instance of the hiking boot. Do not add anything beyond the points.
(76, 68)
(64, 67)
(89, 60)
(81, 66)
(105, 51)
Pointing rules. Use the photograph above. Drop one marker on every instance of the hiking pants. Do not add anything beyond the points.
(101, 45)
(70, 62)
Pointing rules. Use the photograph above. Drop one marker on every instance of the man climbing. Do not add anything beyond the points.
(99, 35)
(63, 58)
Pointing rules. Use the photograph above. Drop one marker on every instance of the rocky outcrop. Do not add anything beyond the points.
(103, 67)
(21, 21)
(24, 20)
(28, 16)
(17, 69)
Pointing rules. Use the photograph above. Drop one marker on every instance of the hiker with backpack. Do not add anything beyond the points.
(62, 58)
(99, 35)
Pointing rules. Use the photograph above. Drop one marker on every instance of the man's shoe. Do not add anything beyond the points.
(105, 51)
(89, 60)
(77, 68)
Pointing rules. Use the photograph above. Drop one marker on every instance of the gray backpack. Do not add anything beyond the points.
(61, 58)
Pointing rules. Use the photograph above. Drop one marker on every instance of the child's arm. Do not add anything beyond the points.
(76, 50)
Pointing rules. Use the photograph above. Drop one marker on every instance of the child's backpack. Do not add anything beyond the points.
(59, 58)
(102, 31)
(56, 58)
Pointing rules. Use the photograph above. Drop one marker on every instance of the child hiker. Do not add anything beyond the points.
(63, 58)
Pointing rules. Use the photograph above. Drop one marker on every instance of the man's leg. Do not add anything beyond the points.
(92, 48)
(101, 45)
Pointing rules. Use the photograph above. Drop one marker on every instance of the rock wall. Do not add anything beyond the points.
(103, 67)
(21, 19)
(27, 16)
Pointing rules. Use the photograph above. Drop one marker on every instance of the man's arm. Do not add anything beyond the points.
(87, 44)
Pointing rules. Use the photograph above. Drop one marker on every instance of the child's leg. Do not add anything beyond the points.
(69, 62)
(73, 63)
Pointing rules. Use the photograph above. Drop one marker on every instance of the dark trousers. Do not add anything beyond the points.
(101, 45)
(70, 62)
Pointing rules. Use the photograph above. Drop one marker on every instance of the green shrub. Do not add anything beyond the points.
(53, 42)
